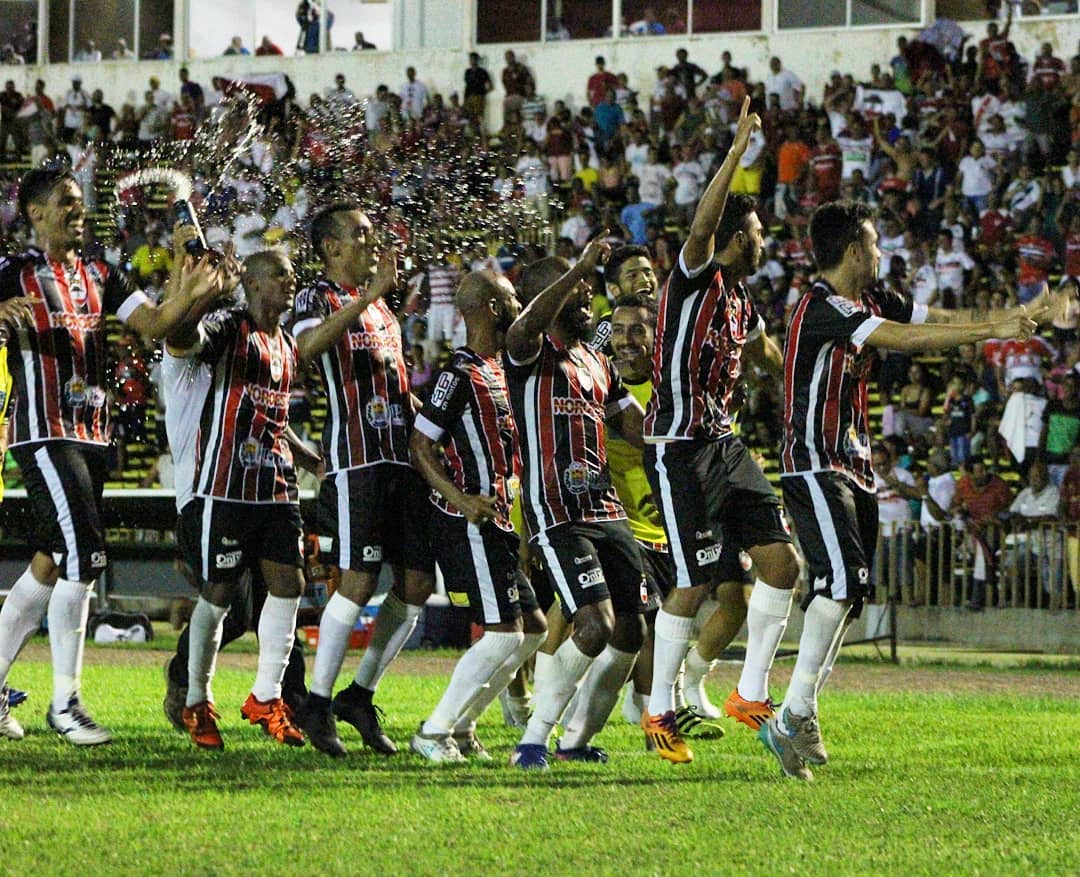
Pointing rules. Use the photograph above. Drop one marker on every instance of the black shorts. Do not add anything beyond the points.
(480, 569)
(64, 481)
(711, 493)
(659, 573)
(590, 563)
(837, 524)
(223, 539)
(373, 515)
(734, 565)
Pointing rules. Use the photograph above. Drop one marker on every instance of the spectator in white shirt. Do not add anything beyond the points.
(1033, 549)
(975, 176)
(933, 546)
(950, 264)
(653, 179)
(924, 279)
(89, 53)
(894, 485)
(76, 102)
(413, 94)
(689, 182)
(856, 146)
(785, 84)
(1023, 194)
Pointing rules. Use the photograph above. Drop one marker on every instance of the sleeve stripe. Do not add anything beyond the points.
(131, 304)
(686, 271)
(432, 430)
(865, 330)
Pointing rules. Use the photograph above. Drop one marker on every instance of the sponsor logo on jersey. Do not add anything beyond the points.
(250, 452)
(372, 554)
(864, 575)
(277, 366)
(844, 305)
(591, 577)
(580, 560)
(512, 594)
(74, 322)
(444, 389)
(265, 397)
(377, 412)
(562, 405)
(98, 560)
(374, 341)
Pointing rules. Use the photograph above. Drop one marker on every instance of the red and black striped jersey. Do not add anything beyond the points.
(58, 365)
(243, 453)
(697, 360)
(560, 401)
(369, 407)
(469, 412)
(826, 427)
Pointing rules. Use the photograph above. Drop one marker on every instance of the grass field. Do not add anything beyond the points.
(937, 768)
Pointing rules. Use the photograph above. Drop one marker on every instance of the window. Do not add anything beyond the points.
(578, 19)
(18, 29)
(725, 16)
(793, 14)
(798, 14)
(883, 12)
(507, 21)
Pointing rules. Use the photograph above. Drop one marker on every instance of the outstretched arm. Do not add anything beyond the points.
(940, 336)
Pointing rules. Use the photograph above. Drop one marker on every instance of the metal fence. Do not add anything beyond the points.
(1006, 566)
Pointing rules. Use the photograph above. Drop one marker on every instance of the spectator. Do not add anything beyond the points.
(99, 117)
(164, 49)
(477, 85)
(1061, 428)
(560, 145)
(826, 162)
(162, 98)
(856, 147)
(89, 53)
(362, 45)
(122, 52)
(648, 25)
(952, 264)
(153, 121)
(309, 18)
(11, 129)
(236, 47)
(377, 108)
(894, 486)
(182, 120)
(1035, 256)
(976, 176)
(792, 162)
(923, 281)
(533, 104)
(786, 84)
(339, 95)
(914, 415)
(960, 415)
(609, 119)
(933, 546)
(268, 47)
(515, 77)
(1032, 549)
(688, 74)
(599, 83)
(981, 497)
(192, 90)
(413, 94)
(75, 103)
(689, 179)
(151, 256)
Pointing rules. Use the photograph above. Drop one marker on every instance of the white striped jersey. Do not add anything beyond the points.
(185, 384)
(826, 427)
(442, 284)
(58, 365)
(560, 401)
(369, 405)
(697, 360)
(469, 412)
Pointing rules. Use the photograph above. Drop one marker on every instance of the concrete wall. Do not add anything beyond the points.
(561, 68)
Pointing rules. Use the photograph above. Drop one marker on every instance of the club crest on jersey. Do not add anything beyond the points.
(250, 452)
(277, 366)
(576, 478)
(75, 391)
(377, 412)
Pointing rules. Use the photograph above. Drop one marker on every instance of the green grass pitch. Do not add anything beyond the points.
(935, 770)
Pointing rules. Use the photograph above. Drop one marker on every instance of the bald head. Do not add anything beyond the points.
(269, 280)
(476, 291)
(259, 266)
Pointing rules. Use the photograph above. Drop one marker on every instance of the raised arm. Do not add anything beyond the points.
(698, 249)
(316, 340)
(176, 318)
(526, 335)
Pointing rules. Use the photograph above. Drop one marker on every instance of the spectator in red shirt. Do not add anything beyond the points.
(268, 47)
(792, 160)
(560, 144)
(600, 82)
(515, 77)
(182, 119)
(1047, 69)
(980, 498)
(1036, 255)
(995, 226)
(826, 162)
(994, 51)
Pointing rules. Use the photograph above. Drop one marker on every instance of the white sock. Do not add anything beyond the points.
(704, 613)
(393, 626)
(830, 658)
(500, 679)
(471, 677)
(672, 639)
(542, 669)
(338, 620)
(277, 632)
(597, 696)
(206, 623)
(766, 620)
(25, 607)
(696, 669)
(824, 619)
(634, 704)
(568, 668)
(69, 607)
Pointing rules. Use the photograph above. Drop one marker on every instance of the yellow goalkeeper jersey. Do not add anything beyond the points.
(5, 397)
(627, 466)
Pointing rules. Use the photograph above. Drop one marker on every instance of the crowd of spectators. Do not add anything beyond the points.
(971, 155)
